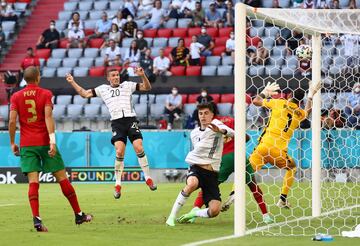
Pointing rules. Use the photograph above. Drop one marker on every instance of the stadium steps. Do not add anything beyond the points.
(44, 11)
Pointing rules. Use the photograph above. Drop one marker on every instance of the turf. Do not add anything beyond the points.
(138, 218)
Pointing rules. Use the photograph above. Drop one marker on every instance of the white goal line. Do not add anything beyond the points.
(248, 232)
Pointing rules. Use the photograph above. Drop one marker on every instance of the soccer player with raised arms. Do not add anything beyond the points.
(38, 151)
(285, 117)
(117, 96)
(204, 161)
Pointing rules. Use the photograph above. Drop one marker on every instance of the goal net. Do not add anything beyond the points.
(325, 196)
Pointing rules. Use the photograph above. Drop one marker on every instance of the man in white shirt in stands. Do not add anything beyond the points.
(195, 50)
(162, 64)
(117, 98)
(351, 49)
(204, 161)
(187, 7)
(158, 16)
(230, 46)
(76, 37)
(112, 54)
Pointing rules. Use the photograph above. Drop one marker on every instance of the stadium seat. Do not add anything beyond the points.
(60, 25)
(155, 51)
(284, 3)
(4, 112)
(189, 108)
(227, 60)
(225, 31)
(271, 31)
(173, 41)
(97, 71)
(77, 99)
(58, 53)
(149, 41)
(150, 33)
(63, 99)
(90, 24)
(135, 98)
(193, 71)
(161, 99)
(144, 98)
(141, 110)
(54, 62)
(218, 50)
(227, 98)
(48, 72)
(184, 22)
(70, 6)
(88, 32)
(63, 43)
(116, 5)
(105, 114)
(164, 33)
(208, 71)
(95, 15)
(180, 32)
(188, 41)
(177, 70)
(86, 62)
(184, 98)
(126, 42)
(276, 60)
(96, 42)
(70, 62)
(167, 51)
(85, 5)
(224, 108)
(225, 70)
(292, 61)
(101, 5)
(96, 100)
(253, 41)
(192, 98)
(160, 42)
(157, 110)
(83, 14)
(268, 42)
(91, 111)
(91, 52)
(80, 71)
(74, 111)
(279, 50)
(99, 61)
(62, 71)
(221, 41)
(59, 111)
(257, 23)
(334, 70)
(194, 31)
(286, 71)
(212, 31)
(171, 23)
(271, 70)
(64, 15)
(216, 97)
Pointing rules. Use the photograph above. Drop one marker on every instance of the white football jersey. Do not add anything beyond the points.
(118, 99)
(208, 145)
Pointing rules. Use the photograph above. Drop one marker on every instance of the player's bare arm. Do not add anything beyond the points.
(313, 89)
(50, 125)
(81, 91)
(12, 131)
(270, 90)
(145, 84)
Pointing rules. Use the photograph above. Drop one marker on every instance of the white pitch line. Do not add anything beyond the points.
(7, 205)
(248, 232)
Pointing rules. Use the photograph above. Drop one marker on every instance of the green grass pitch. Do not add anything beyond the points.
(138, 218)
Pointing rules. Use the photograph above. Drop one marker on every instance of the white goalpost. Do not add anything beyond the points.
(314, 23)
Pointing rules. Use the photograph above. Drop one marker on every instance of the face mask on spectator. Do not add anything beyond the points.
(203, 31)
(203, 94)
(52, 27)
(232, 36)
(357, 90)
(174, 92)
(3, 4)
(129, 18)
(139, 36)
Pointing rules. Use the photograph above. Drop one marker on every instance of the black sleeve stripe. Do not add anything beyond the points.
(93, 92)
(137, 87)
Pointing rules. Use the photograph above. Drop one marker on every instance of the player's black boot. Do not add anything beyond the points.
(38, 225)
(79, 219)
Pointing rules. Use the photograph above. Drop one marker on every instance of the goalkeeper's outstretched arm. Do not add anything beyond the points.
(270, 90)
(313, 89)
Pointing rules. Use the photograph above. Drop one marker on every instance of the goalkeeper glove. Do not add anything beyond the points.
(270, 89)
(313, 89)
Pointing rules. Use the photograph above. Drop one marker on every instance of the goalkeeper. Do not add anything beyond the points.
(285, 117)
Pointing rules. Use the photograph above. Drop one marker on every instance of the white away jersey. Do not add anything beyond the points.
(208, 146)
(118, 99)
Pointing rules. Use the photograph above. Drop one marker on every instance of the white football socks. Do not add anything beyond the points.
(179, 202)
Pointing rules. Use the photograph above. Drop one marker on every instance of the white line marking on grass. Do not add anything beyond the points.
(7, 205)
(248, 232)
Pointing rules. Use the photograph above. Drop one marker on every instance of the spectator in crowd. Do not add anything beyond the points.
(174, 9)
(254, 3)
(334, 4)
(198, 15)
(49, 39)
(147, 63)
(119, 20)
(279, 40)
(141, 42)
(275, 4)
(30, 60)
(261, 55)
(114, 34)
(129, 8)
(195, 51)
(230, 46)
(173, 106)
(293, 42)
(351, 46)
(220, 4)
(132, 55)
(102, 27)
(229, 14)
(162, 65)
(179, 55)
(204, 97)
(332, 119)
(322, 4)
(157, 16)
(145, 5)
(213, 17)
(206, 40)
(75, 37)
(186, 8)
(2, 39)
(352, 4)
(130, 27)
(304, 67)
(112, 55)
(75, 18)
(297, 3)
(308, 4)
(352, 110)
(7, 12)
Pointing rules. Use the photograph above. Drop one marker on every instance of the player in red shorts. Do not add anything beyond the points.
(38, 151)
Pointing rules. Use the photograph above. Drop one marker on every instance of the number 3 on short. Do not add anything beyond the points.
(31, 110)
